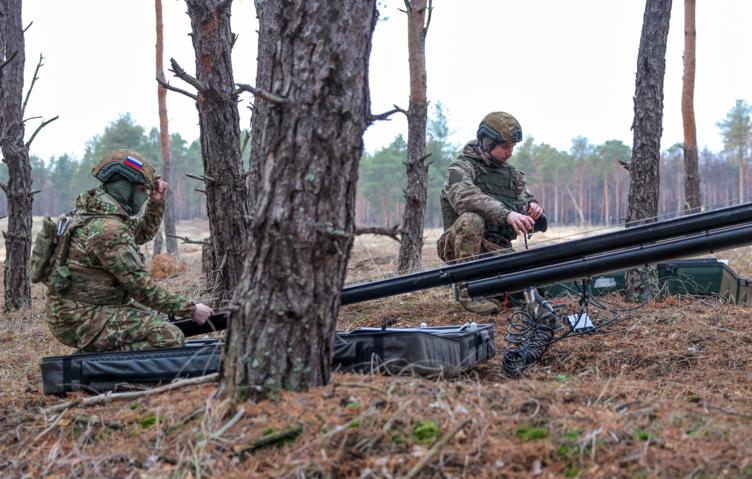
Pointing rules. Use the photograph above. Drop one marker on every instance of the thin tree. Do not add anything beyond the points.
(164, 140)
(16, 156)
(219, 127)
(268, 16)
(413, 218)
(691, 163)
(644, 167)
(286, 305)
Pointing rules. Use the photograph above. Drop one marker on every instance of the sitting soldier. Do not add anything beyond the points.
(485, 202)
(99, 295)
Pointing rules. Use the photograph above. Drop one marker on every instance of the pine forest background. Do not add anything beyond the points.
(586, 185)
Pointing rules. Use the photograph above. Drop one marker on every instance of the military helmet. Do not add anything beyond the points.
(500, 126)
(126, 163)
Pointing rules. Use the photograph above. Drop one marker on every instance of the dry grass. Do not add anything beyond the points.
(663, 392)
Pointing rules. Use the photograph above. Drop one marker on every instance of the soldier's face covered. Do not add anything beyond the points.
(501, 152)
(131, 196)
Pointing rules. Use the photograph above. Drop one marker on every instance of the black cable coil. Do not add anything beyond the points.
(527, 339)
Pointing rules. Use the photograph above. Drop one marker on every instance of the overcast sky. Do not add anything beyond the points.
(563, 68)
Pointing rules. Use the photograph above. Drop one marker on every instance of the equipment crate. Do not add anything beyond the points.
(705, 277)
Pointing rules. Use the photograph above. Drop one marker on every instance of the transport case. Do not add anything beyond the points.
(446, 350)
(429, 351)
(99, 372)
(705, 276)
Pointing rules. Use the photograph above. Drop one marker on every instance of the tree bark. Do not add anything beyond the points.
(16, 156)
(691, 163)
(416, 191)
(171, 242)
(647, 127)
(268, 14)
(219, 122)
(282, 333)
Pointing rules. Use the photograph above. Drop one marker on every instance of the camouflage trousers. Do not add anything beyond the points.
(465, 239)
(129, 327)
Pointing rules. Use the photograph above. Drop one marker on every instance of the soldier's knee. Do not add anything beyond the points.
(166, 335)
(471, 222)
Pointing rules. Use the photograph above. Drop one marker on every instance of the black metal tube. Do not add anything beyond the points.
(547, 255)
(703, 243)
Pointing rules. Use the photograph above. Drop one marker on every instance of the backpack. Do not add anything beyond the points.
(49, 256)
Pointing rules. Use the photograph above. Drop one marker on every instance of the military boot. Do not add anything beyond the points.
(477, 306)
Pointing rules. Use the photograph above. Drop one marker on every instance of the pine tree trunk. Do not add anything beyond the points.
(691, 163)
(219, 122)
(16, 157)
(268, 14)
(282, 333)
(416, 191)
(648, 120)
(164, 140)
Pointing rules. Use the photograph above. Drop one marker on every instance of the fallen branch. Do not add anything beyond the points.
(108, 397)
(435, 450)
(183, 75)
(269, 440)
(39, 128)
(167, 86)
(84, 420)
(259, 93)
(184, 420)
(393, 232)
(187, 240)
(228, 425)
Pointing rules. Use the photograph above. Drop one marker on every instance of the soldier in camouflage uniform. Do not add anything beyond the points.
(99, 295)
(485, 201)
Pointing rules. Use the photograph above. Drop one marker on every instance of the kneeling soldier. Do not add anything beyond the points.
(485, 201)
(99, 295)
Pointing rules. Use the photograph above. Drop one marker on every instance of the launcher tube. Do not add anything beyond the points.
(582, 268)
(548, 255)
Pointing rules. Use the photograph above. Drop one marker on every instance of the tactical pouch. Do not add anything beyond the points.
(60, 279)
(41, 254)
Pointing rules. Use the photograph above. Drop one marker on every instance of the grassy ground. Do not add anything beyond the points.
(662, 392)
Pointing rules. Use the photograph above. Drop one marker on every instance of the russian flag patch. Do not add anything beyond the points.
(133, 163)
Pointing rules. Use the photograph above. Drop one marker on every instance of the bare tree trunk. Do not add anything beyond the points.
(648, 120)
(164, 141)
(219, 122)
(282, 333)
(416, 191)
(268, 14)
(16, 157)
(691, 162)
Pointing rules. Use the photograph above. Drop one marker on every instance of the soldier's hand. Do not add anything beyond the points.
(202, 313)
(520, 223)
(534, 210)
(158, 193)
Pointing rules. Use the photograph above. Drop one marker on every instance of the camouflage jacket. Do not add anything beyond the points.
(107, 268)
(475, 184)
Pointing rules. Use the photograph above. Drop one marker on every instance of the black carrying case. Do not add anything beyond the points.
(432, 351)
(428, 351)
(99, 372)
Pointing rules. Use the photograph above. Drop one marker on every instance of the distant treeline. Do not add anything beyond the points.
(587, 185)
(60, 179)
